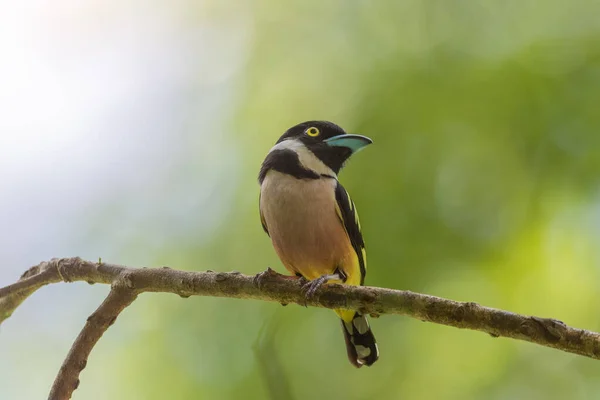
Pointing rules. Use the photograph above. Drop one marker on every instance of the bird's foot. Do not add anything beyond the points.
(311, 287)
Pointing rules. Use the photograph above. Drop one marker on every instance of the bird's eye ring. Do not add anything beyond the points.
(312, 132)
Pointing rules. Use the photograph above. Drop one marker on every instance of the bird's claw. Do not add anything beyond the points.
(311, 287)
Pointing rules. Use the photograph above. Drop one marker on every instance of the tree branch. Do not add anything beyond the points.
(127, 283)
(67, 379)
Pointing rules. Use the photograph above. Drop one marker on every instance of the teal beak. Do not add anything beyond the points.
(352, 142)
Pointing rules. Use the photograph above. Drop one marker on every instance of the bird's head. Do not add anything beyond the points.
(326, 141)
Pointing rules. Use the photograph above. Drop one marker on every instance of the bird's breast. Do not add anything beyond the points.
(301, 217)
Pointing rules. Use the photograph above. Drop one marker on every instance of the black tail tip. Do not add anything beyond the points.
(360, 343)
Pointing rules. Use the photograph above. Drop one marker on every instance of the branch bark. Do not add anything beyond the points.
(127, 283)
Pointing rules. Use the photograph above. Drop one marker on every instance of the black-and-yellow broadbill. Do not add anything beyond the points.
(312, 221)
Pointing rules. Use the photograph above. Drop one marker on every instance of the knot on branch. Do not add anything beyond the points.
(464, 311)
(62, 268)
(550, 329)
(34, 270)
(125, 280)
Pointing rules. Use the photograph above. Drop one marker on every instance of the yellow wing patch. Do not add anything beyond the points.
(364, 254)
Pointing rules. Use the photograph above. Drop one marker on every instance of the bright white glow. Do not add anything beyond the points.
(108, 111)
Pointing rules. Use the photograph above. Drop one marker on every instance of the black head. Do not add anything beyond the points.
(326, 140)
(325, 130)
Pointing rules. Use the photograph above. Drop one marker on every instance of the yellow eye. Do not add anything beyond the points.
(313, 132)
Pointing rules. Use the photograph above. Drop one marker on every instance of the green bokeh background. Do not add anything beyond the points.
(482, 185)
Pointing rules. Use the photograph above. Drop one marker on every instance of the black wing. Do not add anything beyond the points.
(349, 216)
(262, 218)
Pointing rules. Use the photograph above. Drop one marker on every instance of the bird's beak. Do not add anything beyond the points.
(352, 142)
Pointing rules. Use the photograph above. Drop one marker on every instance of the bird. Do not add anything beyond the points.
(312, 221)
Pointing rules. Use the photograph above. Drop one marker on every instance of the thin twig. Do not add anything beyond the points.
(274, 287)
(67, 379)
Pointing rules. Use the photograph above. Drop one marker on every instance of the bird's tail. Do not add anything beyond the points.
(360, 342)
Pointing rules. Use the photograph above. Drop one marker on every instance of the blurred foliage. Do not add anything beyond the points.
(482, 185)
